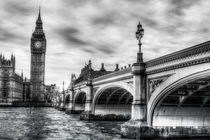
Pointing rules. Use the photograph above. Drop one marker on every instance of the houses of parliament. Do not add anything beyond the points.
(15, 87)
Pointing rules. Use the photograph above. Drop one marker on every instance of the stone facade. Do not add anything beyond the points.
(11, 84)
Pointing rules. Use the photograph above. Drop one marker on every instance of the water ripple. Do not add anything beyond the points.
(51, 124)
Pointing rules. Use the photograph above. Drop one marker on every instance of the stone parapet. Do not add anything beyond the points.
(191, 51)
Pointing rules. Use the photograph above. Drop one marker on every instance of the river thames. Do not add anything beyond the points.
(49, 123)
(52, 124)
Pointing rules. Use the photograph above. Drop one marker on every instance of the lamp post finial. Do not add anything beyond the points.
(139, 35)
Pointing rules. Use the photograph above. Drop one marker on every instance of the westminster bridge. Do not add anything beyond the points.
(167, 96)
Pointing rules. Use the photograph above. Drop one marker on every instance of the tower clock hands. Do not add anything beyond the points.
(37, 44)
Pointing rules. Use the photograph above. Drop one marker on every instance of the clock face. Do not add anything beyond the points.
(37, 44)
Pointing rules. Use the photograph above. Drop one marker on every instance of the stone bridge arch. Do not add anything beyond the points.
(67, 99)
(113, 98)
(180, 77)
(79, 101)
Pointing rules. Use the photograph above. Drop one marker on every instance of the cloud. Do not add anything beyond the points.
(150, 22)
(106, 49)
(88, 50)
(103, 31)
(71, 36)
(107, 19)
(8, 35)
(17, 7)
(74, 3)
(181, 5)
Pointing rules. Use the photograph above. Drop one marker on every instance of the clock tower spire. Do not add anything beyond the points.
(38, 32)
(38, 51)
(39, 20)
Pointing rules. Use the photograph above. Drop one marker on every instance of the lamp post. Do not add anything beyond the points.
(12, 91)
(63, 96)
(139, 35)
(138, 120)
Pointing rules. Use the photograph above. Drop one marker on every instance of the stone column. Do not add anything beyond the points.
(87, 114)
(58, 101)
(61, 102)
(89, 94)
(71, 106)
(138, 124)
(133, 127)
(139, 99)
(30, 92)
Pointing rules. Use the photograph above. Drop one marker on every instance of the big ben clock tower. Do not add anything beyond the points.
(38, 50)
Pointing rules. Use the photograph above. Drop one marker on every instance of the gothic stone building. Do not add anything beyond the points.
(11, 84)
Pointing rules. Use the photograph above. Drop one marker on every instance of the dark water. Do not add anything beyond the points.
(51, 124)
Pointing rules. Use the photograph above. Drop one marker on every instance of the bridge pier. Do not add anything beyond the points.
(62, 104)
(86, 115)
(70, 109)
(138, 123)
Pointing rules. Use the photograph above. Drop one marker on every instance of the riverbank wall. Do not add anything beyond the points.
(146, 132)
(26, 104)
(101, 117)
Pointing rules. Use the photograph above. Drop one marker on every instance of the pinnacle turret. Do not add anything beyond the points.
(7, 62)
(39, 20)
(38, 32)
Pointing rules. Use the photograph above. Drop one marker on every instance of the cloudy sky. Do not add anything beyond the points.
(100, 30)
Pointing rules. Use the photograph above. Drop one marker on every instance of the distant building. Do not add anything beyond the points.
(11, 84)
(50, 92)
(89, 72)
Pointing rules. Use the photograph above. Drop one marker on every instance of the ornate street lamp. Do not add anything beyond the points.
(139, 35)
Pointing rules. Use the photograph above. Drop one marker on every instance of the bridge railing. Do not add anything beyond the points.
(113, 74)
(107, 76)
(191, 51)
